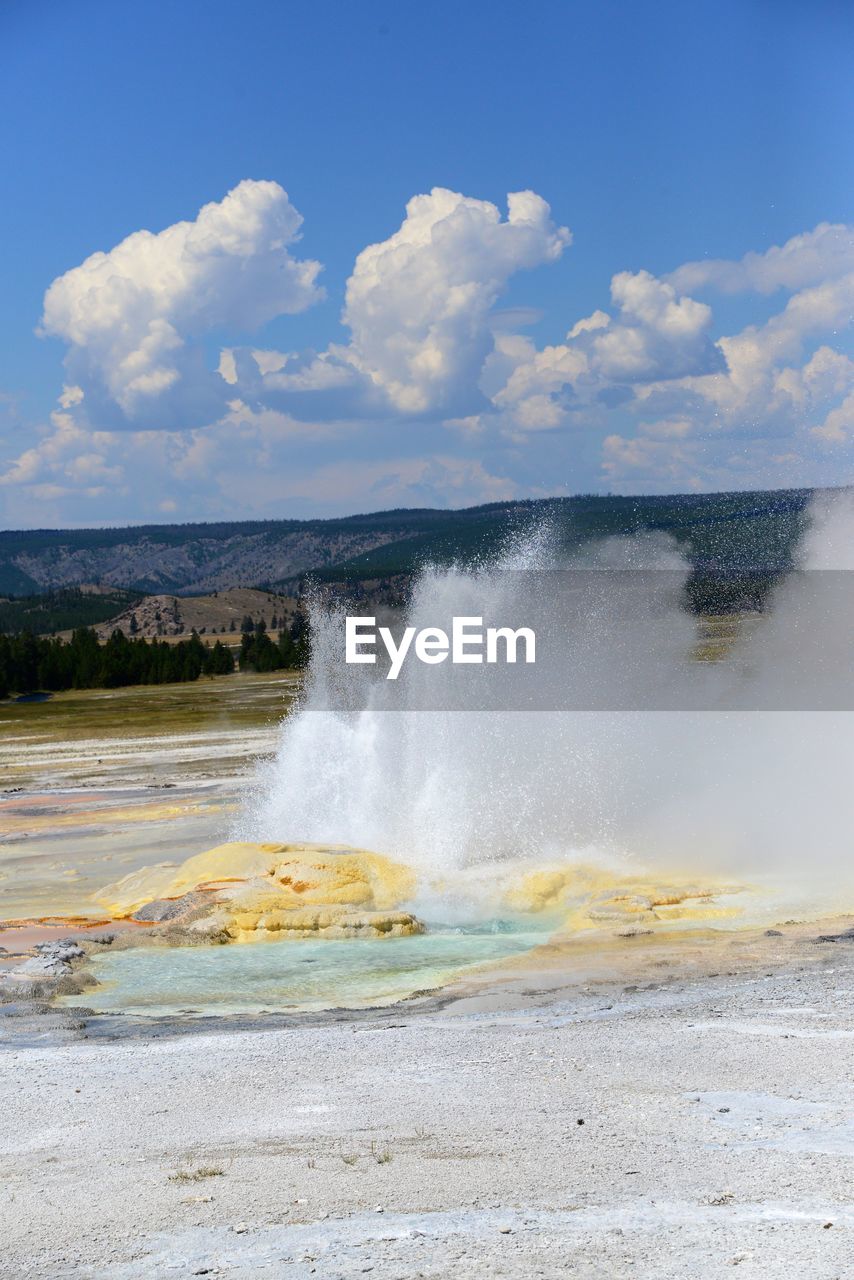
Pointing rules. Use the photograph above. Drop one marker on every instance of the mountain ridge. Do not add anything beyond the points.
(200, 556)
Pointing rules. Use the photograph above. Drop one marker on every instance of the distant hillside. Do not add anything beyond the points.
(716, 531)
(733, 530)
(222, 614)
(182, 559)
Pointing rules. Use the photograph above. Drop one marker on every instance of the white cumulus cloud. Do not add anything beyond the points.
(821, 254)
(655, 334)
(658, 333)
(418, 304)
(652, 392)
(133, 316)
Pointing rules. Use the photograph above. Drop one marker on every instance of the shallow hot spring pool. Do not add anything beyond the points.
(291, 976)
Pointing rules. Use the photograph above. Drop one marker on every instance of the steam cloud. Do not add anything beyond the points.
(755, 793)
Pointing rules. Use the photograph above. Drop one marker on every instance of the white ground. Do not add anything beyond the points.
(718, 1138)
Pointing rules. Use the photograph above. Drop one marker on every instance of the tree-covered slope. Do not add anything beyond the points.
(735, 530)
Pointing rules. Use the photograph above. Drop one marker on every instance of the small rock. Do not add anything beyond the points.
(846, 936)
(723, 1197)
(773, 933)
(42, 967)
(60, 948)
(506, 1231)
(173, 910)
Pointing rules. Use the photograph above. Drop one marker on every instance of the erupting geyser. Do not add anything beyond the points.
(727, 767)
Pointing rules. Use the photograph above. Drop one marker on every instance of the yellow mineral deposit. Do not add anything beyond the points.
(248, 892)
(259, 891)
(585, 897)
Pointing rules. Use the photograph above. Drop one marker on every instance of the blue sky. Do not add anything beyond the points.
(661, 135)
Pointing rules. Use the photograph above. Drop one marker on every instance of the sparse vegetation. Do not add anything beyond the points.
(198, 1174)
(380, 1154)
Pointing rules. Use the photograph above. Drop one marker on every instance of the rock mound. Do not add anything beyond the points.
(246, 892)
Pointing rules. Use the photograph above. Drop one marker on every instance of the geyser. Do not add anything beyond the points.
(730, 778)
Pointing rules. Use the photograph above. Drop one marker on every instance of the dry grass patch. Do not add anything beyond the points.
(197, 1175)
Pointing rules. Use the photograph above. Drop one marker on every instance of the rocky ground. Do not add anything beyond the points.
(554, 1118)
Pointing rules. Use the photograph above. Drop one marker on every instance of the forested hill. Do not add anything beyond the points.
(734, 529)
